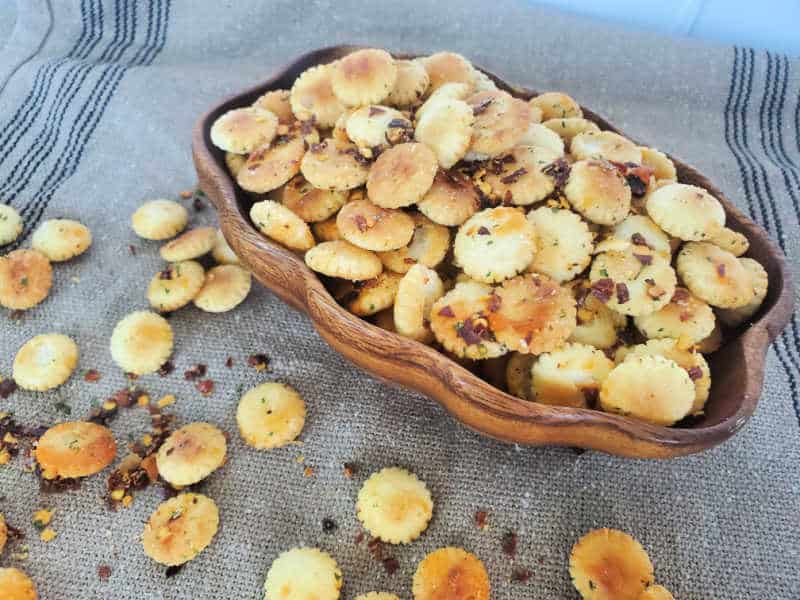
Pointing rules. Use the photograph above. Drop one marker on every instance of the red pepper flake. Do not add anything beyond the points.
(481, 518)
(317, 148)
(197, 371)
(681, 296)
(198, 204)
(622, 293)
(559, 170)
(132, 249)
(645, 259)
(591, 395)
(446, 311)
(638, 239)
(7, 387)
(259, 362)
(125, 397)
(603, 289)
(167, 368)
(375, 110)
(521, 575)
(91, 375)
(514, 177)
(494, 303)
(474, 332)
(481, 106)
(349, 469)
(695, 373)
(391, 565)
(307, 126)
(166, 274)
(410, 261)
(229, 362)
(509, 543)
(359, 537)
(361, 223)
(483, 231)
(721, 269)
(173, 570)
(375, 546)
(103, 572)
(205, 387)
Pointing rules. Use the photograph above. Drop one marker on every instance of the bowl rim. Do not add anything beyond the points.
(356, 335)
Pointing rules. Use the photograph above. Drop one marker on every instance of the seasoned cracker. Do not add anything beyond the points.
(428, 246)
(10, 224)
(715, 275)
(278, 103)
(569, 376)
(191, 453)
(608, 564)
(375, 295)
(642, 230)
(309, 203)
(281, 224)
(448, 67)
(522, 180)
(243, 130)
(451, 199)
(364, 77)
(563, 243)
(175, 286)
(597, 325)
(500, 122)
(598, 191)
(687, 212)
(446, 127)
(730, 240)
(402, 175)
(270, 166)
(663, 167)
(375, 127)
(495, 244)
(192, 244)
(569, 127)
(25, 279)
(141, 342)
(225, 288)
(371, 227)
(159, 219)
(411, 83)
(419, 288)
(16, 584)
(518, 374)
(75, 449)
(605, 145)
(222, 252)
(650, 388)
(452, 574)
(656, 592)
(394, 505)
(686, 317)
(303, 574)
(541, 137)
(326, 231)
(312, 97)
(447, 91)
(556, 105)
(340, 258)
(180, 529)
(270, 415)
(334, 165)
(45, 361)
(732, 317)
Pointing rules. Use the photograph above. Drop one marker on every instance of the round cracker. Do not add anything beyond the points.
(175, 286)
(564, 243)
(569, 376)
(642, 230)
(597, 325)
(180, 528)
(326, 231)
(191, 453)
(243, 130)
(10, 224)
(371, 227)
(656, 592)
(459, 321)
(532, 314)
(604, 145)
(521, 180)
(270, 415)
(495, 244)
(411, 83)
(653, 389)
(75, 449)
(159, 219)
(730, 240)
(687, 212)
(222, 252)
(448, 67)
(518, 374)
(448, 91)
(556, 105)
(402, 175)
(640, 281)
(334, 165)
(303, 574)
(235, 162)
(225, 288)
(500, 121)
(419, 288)
(663, 167)
(608, 564)
(364, 77)
(451, 199)
(733, 317)
(309, 203)
(375, 295)
(16, 585)
(445, 125)
(428, 246)
(541, 137)
(452, 574)
(685, 318)
(568, 128)
(375, 127)
(281, 224)
(714, 275)
(394, 505)
(598, 191)
(45, 361)
(312, 97)
(270, 166)
(25, 279)
(141, 342)
(278, 103)
(192, 244)
(340, 258)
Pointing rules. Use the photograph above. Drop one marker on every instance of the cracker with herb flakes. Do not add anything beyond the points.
(686, 212)
(598, 191)
(141, 342)
(733, 317)
(372, 227)
(364, 77)
(26, 277)
(454, 570)
(303, 574)
(191, 453)
(500, 122)
(191, 244)
(270, 166)
(270, 415)
(61, 239)
(180, 529)
(45, 362)
(539, 136)
(335, 165)
(159, 219)
(521, 177)
(448, 67)
(312, 97)
(394, 505)
(445, 126)
(596, 324)
(411, 84)
(10, 224)
(556, 105)
(730, 240)
(225, 287)
(375, 295)
(175, 286)
(563, 243)
(278, 103)
(686, 317)
(451, 199)
(375, 126)
(402, 175)
(663, 167)
(429, 245)
(641, 230)
(567, 128)
(569, 376)
(75, 449)
(281, 224)
(311, 204)
(340, 258)
(243, 130)
(605, 145)
(715, 275)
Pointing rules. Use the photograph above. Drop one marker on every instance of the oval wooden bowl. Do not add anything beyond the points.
(737, 368)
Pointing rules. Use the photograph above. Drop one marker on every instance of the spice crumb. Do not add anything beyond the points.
(481, 519)
(205, 387)
(349, 469)
(509, 543)
(103, 572)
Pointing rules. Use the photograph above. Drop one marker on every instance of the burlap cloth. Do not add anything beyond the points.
(95, 115)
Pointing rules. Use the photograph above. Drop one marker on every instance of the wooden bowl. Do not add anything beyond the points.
(737, 368)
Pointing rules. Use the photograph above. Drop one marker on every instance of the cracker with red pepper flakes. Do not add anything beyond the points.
(75, 449)
(281, 224)
(376, 127)
(191, 453)
(500, 122)
(334, 164)
(26, 277)
(715, 275)
(451, 200)
(176, 285)
(685, 318)
(243, 130)
(311, 204)
(459, 572)
(374, 228)
(428, 246)
(180, 528)
(522, 179)
(411, 84)
(569, 376)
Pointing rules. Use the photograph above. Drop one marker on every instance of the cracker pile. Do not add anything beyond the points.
(503, 232)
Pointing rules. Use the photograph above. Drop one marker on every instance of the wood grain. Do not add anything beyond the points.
(737, 368)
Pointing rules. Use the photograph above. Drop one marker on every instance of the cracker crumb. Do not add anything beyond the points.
(48, 535)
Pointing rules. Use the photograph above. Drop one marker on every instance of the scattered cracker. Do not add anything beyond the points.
(175, 286)
(45, 362)
(141, 342)
(192, 244)
(270, 415)
(732, 317)
(25, 279)
(556, 105)
(334, 165)
(16, 585)
(342, 259)
(278, 103)
(159, 219)
(598, 191)
(225, 288)
(222, 252)
(10, 224)
(445, 125)
(500, 121)
(523, 179)
(394, 505)
(364, 77)
(563, 243)
(191, 453)
(715, 275)
(303, 574)
(402, 175)
(605, 145)
(61, 239)
(686, 317)
(243, 130)
(278, 222)
(451, 199)
(419, 288)
(180, 529)
(371, 227)
(518, 374)
(75, 449)
(570, 376)
(687, 212)
(375, 295)
(270, 166)
(312, 97)
(451, 573)
(448, 67)
(411, 83)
